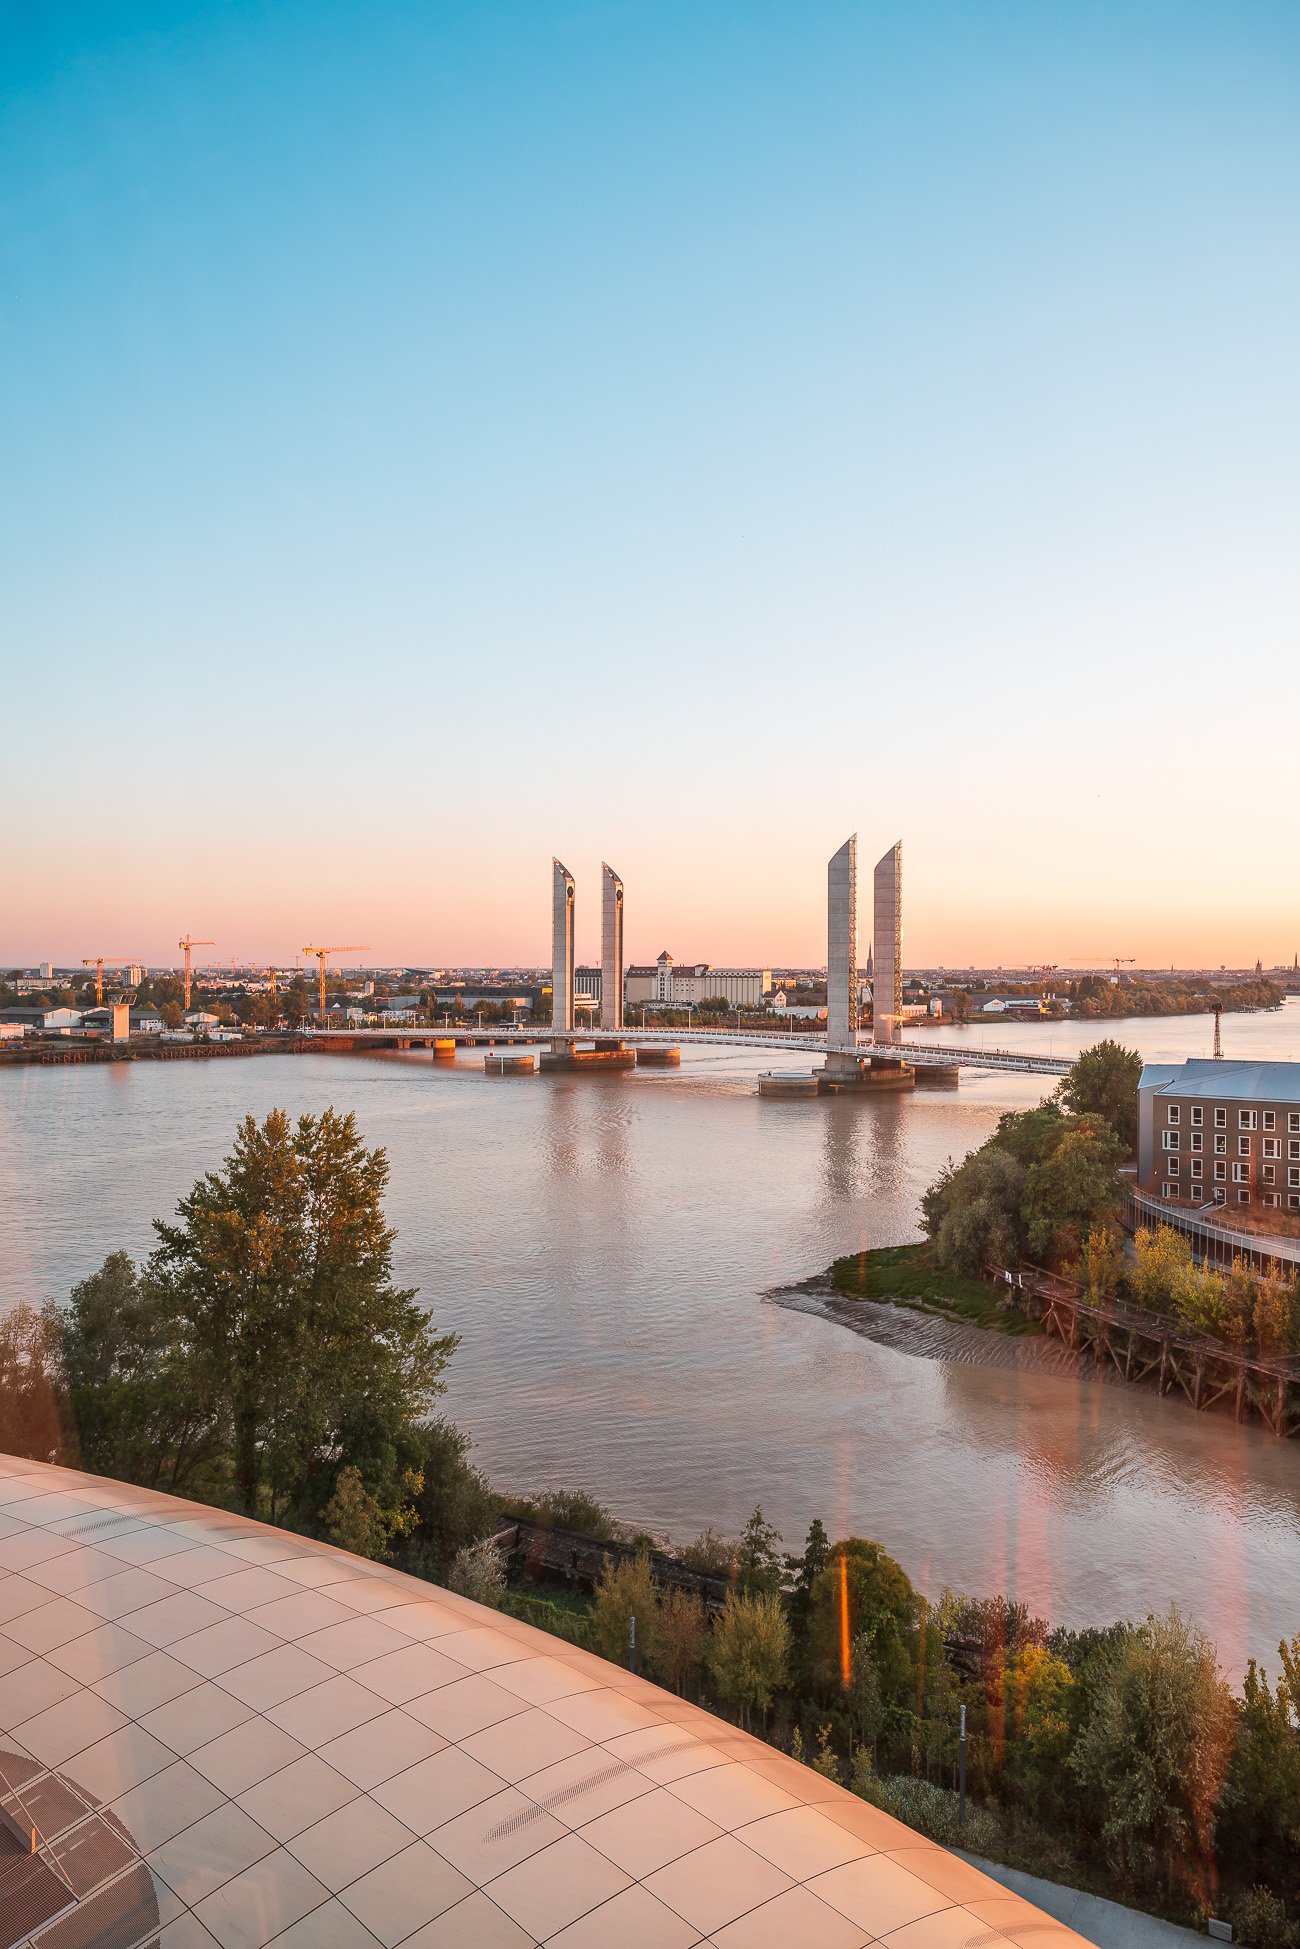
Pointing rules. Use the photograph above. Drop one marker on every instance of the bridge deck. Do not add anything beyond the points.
(942, 1055)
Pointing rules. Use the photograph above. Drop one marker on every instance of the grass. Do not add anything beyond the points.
(905, 1275)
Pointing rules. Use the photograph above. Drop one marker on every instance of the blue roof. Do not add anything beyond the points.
(1239, 1082)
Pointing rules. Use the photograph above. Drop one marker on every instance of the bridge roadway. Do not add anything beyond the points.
(1025, 1062)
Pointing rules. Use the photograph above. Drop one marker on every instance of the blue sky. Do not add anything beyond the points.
(443, 435)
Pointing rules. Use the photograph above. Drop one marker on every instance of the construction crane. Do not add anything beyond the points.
(320, 953)
(99, 962)
(187, 944)
(1117, 961)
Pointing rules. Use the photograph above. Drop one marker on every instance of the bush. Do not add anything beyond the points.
(566, 1509)
(1259, 1919)
(930, 1809)
(476, 1572)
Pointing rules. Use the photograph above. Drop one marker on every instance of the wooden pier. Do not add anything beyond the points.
(1146, 1347)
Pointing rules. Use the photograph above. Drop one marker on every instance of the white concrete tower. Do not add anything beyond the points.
(611, 948)
(561, 948)
(842, 947)
(887, 987)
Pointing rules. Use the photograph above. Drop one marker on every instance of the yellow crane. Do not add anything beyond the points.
(187, 944)
(99, 962)
(320, 952)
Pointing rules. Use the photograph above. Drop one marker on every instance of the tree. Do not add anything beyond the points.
(1155, 1751)
(33, 1409)
(476, 1572)
(353, 1518)
(454, 1507)
(759, 1566)
(1104, 1083)
(865, 1700)
(278, 1278)
(682, 1635)
(1161, 1259)
(1101, 1261)
(882, 1608)
(1070, 1191)
(749, 1653)
(1259, 1823)
(173, 1016)
(626, 1591)
(128, 1372)
(972, 1214)
(1038, 1698)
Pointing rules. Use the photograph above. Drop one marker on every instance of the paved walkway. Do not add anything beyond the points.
(1108, 1924)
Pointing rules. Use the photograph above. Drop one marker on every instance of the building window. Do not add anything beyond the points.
(1220, 1171)
(1293, 1120)
(1270, 1120)
(1196, 1167)
(1243, 1197)
(1293, 1200)
(1293, 1177)
(1170, 1139)
(1221, 1119)
(1220, 1147)
(1272, 1147)
(1198, 1115)
(1247, 1119)
(1243, 1146)
(1174, 1113)
(1270, 1174)
(1196, 1140)
(1220, 1196)
(1171, 1165)
(1293, 1148)
(1241, 1174)
(1270, 1198)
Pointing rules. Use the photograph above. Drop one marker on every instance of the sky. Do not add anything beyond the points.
(442, 436)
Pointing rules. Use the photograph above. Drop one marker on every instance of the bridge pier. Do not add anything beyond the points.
(849, 1073)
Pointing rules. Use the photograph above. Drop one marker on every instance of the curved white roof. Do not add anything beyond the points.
(216, 1732)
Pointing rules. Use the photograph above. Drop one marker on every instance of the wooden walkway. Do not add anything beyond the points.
(1145, 1347)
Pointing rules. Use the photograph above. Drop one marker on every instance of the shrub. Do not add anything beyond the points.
(476, 1572)
(1259, 1919)
(930, 1809)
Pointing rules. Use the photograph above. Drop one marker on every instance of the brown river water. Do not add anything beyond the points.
(613, 1251)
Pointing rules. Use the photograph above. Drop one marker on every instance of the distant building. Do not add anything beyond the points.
(44, 1021)
(588, 985)
(668, 985)
(199, 1018)
(146, 1021)
(1219, 1132)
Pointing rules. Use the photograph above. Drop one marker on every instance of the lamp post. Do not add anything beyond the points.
(961, 1774)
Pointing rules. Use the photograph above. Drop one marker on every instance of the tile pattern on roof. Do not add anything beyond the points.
(224, 1734)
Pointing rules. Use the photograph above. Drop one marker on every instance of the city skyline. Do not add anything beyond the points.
(807, 420)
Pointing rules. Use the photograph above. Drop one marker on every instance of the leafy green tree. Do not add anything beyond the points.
(1259, 1822)
(1104, 1083)
(353, 1518)
(278, 1279)
(1072, 1190)
(129, 1375)
(565, 1509)
(710, 1554)
(1101, 1261)
(173, 1016)
(972, 1214)
(1155, 1752)
(1161, 1259)
(1038, 1696)
(454, 1507)
(866, 1703)
(33, 1414)
(682, 1638)
(749, 1653)
(759, 1565)
(476, 1573)
(883, 1609)
(626, 1591)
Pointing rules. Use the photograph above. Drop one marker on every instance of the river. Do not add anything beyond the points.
(607, 1247)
